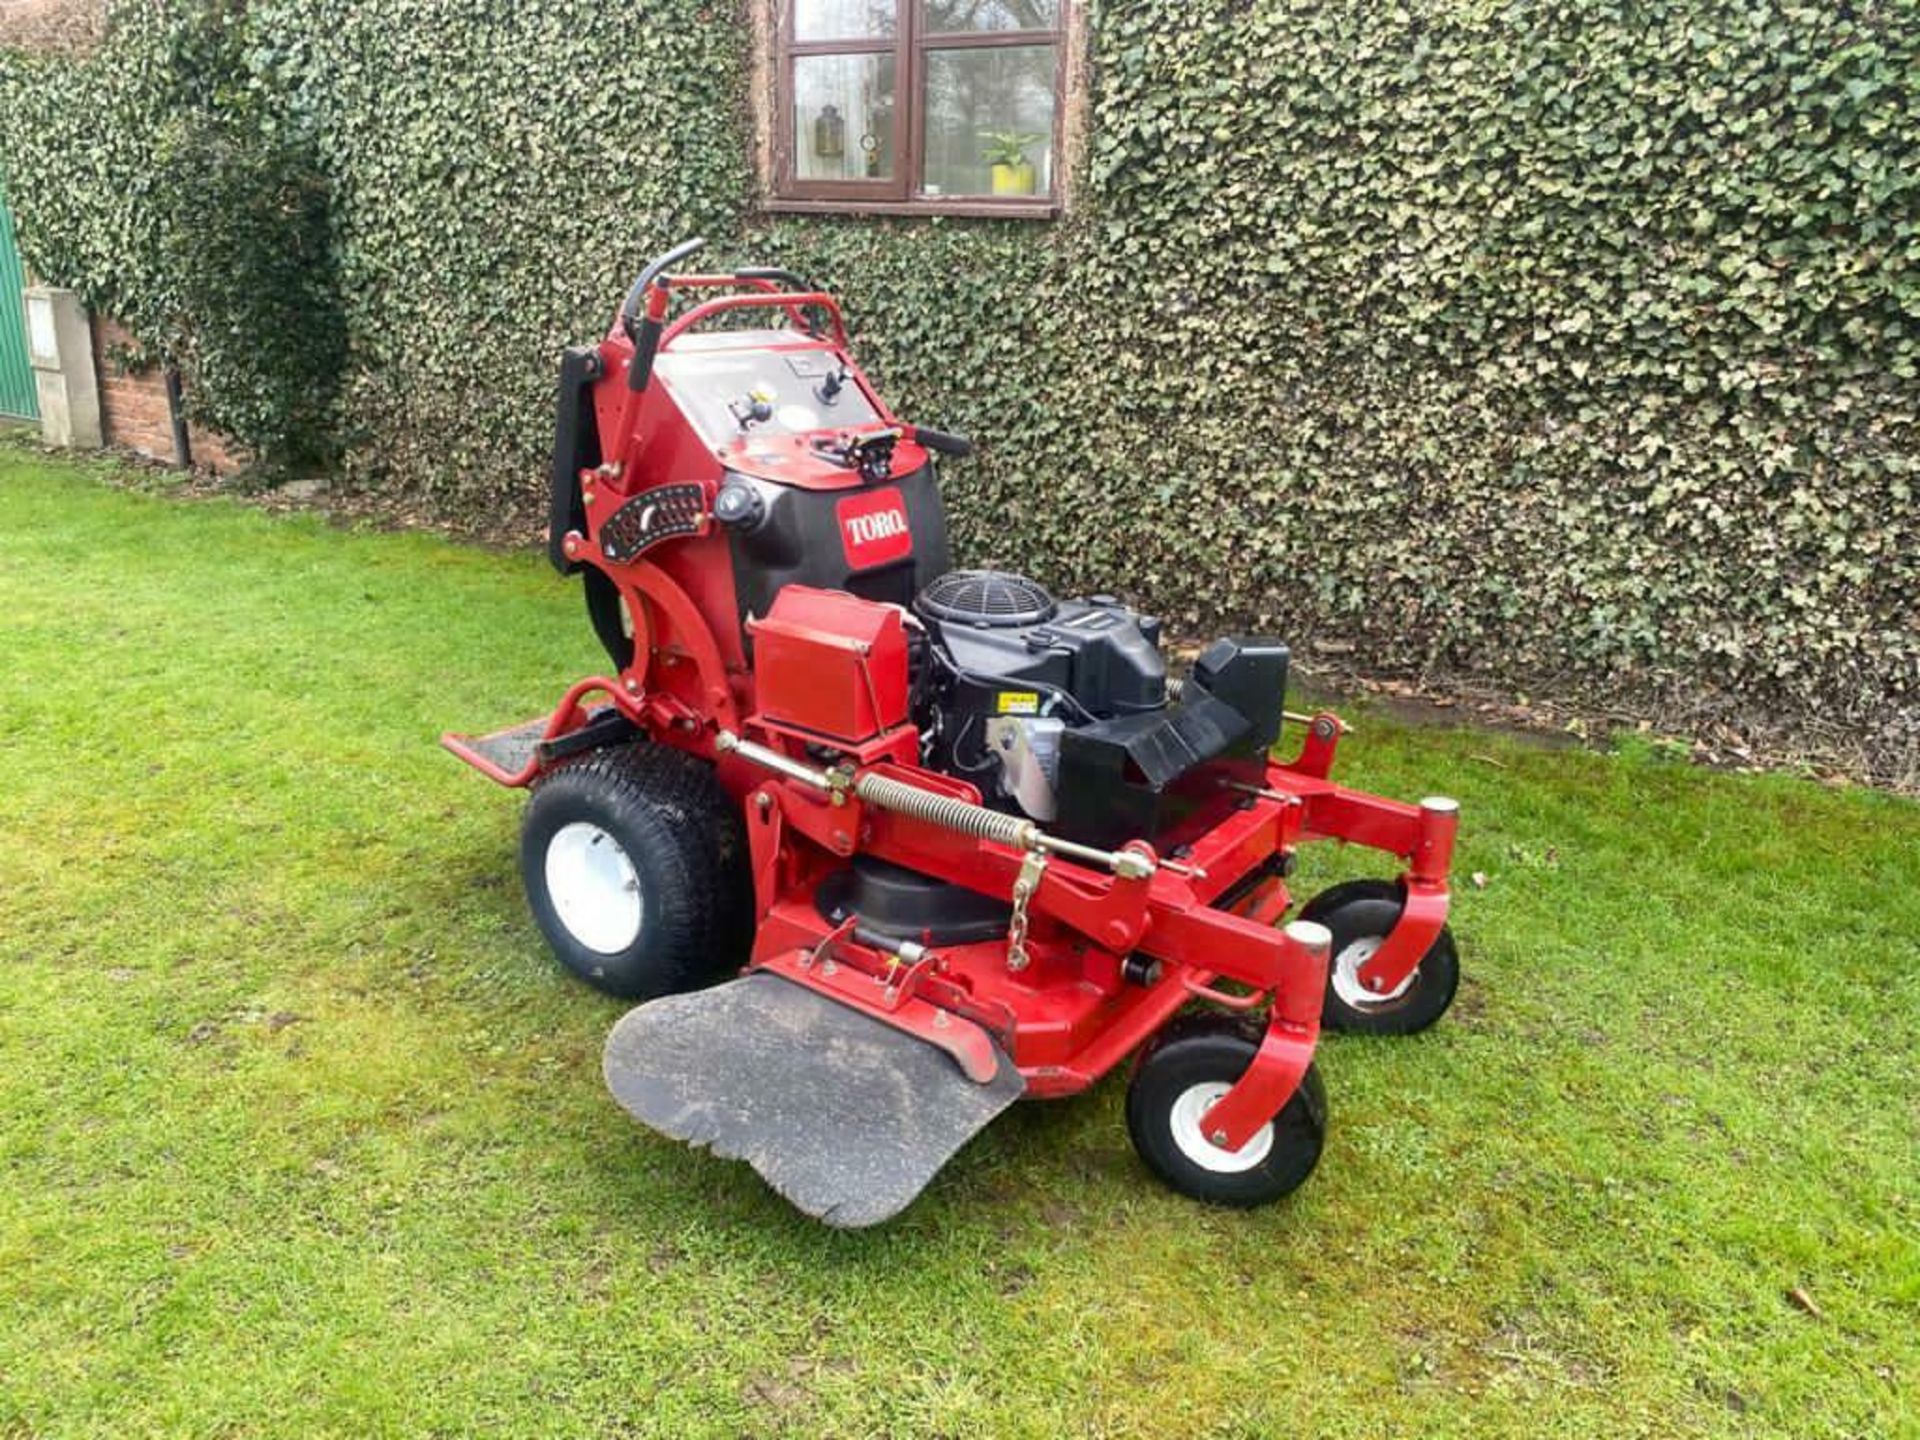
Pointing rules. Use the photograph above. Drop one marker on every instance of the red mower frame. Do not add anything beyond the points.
(1106, 946)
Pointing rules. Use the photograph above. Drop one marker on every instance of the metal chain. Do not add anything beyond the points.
(1028, 881)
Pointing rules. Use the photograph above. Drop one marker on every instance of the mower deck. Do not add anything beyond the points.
(845, 1116)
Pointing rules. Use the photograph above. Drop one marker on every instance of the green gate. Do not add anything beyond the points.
(16, 375)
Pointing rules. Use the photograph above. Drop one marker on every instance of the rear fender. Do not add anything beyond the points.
(576, 447)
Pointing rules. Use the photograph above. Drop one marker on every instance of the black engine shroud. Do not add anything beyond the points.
(1088, 680)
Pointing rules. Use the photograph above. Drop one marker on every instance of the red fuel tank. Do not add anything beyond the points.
(831, 664)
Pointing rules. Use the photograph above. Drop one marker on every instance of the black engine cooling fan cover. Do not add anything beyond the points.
(993, 599)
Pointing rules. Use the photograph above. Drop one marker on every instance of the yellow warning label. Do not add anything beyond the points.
(1018, 702)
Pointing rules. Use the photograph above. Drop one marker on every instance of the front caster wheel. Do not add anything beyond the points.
(1188, 1066)
(634, 863)
(1360, 915)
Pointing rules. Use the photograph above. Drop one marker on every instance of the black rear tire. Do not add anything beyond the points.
(635, 866)
(1183, 1070)
(1360, 914)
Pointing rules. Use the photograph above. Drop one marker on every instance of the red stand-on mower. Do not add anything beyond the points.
(956, 841)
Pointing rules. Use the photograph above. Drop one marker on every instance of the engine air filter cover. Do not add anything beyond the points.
(993, 599)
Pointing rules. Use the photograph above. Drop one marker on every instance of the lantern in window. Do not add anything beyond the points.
(829, 133)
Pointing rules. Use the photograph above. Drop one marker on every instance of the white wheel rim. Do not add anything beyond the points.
(594, 888)
(1348, 985)
(1195, 1101)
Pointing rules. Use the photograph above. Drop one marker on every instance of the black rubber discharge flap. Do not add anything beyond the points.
(845, 1116)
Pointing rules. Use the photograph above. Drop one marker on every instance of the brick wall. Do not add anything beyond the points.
(133, 407)
(66, 26)
(133, 404)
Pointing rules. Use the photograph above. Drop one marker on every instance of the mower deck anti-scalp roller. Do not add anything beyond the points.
(881, 845)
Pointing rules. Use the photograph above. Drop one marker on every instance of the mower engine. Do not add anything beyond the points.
(1064, 712)
(882, 845)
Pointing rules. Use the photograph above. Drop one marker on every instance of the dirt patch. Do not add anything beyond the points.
(515, 526)
(780, 1391)
(1573, 718)
(1712, 733)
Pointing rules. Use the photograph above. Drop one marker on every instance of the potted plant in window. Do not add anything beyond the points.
(1006, 152)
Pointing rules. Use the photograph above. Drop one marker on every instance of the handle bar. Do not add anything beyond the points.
(646, 333)
(782, 299)
(958, 446)
(630, 311)
(774, 272)
(761, 280)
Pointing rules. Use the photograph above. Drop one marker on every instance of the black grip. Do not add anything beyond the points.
(788, 280)
(630, 311)
(773, 272)
(958, 446)
(646, 342)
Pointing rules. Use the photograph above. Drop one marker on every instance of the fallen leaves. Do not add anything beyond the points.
(1802, 1301)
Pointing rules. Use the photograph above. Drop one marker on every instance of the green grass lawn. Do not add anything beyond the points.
(302, 1132)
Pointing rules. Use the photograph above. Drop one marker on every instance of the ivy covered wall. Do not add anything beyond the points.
(1572, 345)
(183, 196)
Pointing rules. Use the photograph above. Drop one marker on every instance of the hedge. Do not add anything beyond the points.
(1571, 345)
(180, 195)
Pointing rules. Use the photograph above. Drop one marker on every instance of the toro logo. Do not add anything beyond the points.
(873, 529)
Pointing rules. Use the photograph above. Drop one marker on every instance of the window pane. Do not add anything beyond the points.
(843, 117)
(949, 15)
(843, 19)
(990, 121)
